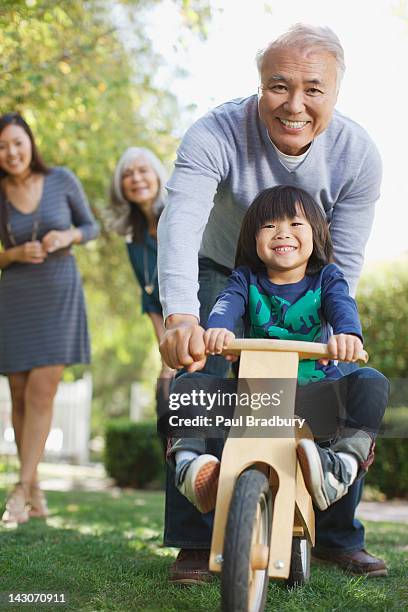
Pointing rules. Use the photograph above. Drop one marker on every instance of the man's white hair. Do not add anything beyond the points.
(118, 217)
(307, 38)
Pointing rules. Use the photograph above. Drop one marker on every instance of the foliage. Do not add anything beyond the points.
(133, 453)
(389, 471)
(383, 307)
(87, 94)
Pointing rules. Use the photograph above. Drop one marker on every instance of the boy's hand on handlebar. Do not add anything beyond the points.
(344, 347)
(216, 340)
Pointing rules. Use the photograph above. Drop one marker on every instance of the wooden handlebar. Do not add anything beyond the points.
(306, 350)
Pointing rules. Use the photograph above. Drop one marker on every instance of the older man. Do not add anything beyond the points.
(288, 134)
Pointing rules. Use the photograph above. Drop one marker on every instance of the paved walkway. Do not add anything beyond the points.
(64, 477)
(395, 511)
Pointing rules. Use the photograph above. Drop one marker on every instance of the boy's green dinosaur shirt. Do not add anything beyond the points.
(298, 311)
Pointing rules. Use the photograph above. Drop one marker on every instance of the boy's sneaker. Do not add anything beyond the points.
(197, 479)
(327, 477)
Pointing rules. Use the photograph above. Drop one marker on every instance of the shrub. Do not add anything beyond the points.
(383, 306)
(134, 453)
(389, 471)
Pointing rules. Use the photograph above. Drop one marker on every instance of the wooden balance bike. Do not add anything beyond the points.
(264, 520)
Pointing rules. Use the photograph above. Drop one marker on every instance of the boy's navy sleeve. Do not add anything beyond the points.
(338, 307)
(231, 304)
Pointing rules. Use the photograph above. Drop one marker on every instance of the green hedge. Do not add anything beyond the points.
(134, 454)
(383, 307)
(389, 471)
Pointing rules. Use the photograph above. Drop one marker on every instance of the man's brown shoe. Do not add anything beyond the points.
(190, 567)
(358, 562)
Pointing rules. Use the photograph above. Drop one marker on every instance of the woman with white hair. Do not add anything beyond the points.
(136, 201)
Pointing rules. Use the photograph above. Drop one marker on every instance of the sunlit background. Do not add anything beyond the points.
(374, 91)
(95, 77)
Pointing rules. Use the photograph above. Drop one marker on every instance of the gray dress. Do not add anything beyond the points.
(42, 308)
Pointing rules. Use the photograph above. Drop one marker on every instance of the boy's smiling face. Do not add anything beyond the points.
(285, 246)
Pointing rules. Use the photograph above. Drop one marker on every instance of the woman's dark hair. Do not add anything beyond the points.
(277, 203)
(37, 164)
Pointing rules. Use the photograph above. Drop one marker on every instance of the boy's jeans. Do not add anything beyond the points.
(185, 527)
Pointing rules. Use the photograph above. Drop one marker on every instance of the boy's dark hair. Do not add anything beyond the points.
(278, 203)
(37, 163)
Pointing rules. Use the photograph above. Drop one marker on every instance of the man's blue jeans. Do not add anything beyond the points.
(185, 527)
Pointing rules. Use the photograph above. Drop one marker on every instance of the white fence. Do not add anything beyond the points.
(140, 399)
(70, 428)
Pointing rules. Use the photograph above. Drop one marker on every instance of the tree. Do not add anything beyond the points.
(87, 96)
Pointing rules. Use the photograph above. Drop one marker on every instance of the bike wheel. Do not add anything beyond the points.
(299, 563)
(244, 577)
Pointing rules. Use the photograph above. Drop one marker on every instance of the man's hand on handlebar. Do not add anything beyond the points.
(344, 347)
(183, 343)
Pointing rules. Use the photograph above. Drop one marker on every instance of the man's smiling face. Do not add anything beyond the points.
(297, 94)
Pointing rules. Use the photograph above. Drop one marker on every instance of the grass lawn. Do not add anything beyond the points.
(103, 549)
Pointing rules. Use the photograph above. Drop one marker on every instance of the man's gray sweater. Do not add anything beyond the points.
(224, 160)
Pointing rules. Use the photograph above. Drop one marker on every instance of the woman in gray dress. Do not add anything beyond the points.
(43, 326)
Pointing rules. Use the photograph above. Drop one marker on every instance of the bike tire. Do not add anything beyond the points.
(244, 589)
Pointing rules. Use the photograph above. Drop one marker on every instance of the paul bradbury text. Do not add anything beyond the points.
(247, 420)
